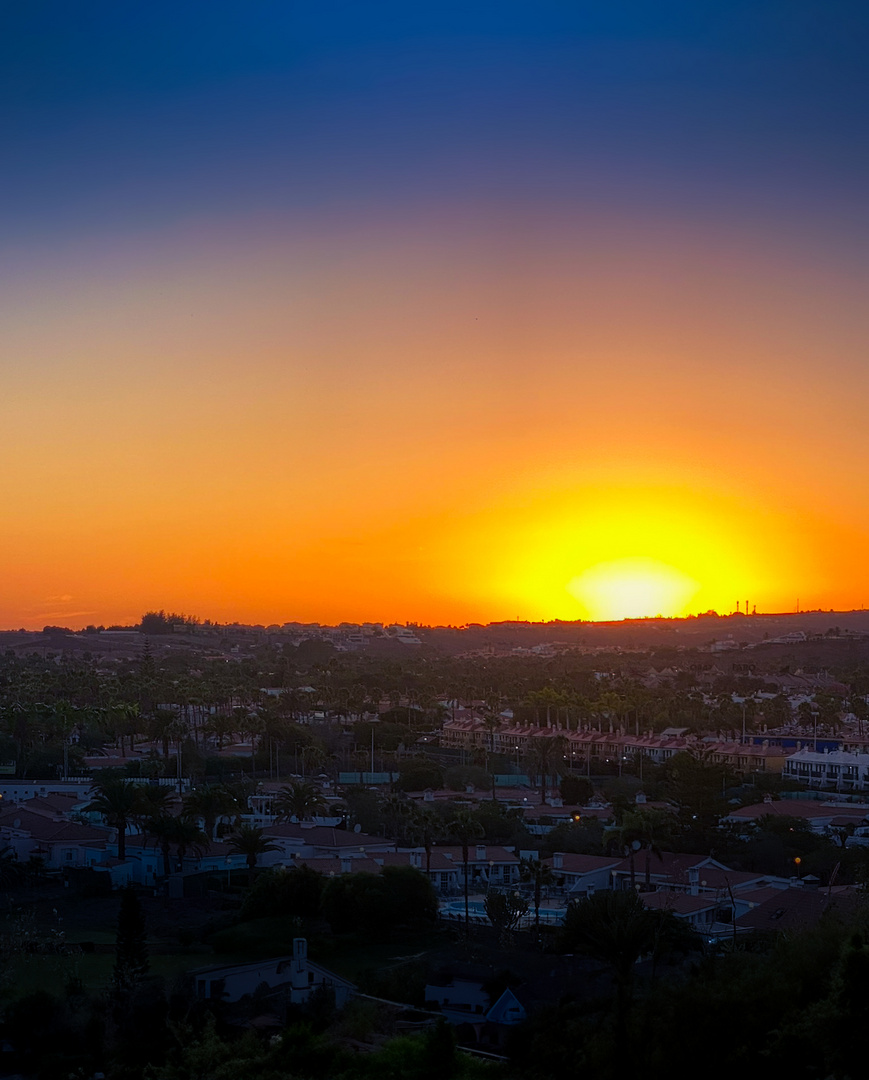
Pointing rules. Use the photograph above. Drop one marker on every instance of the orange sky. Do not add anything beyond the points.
(448, 417)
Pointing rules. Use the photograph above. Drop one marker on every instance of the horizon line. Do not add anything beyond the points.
(195, 623)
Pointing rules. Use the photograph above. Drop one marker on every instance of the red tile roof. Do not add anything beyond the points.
(807, 809)
(340, 866)
(48, 830)
(493, 854)
(796, 908)
(324, 836)
(584, 864)
(677, 902)
(674, 865)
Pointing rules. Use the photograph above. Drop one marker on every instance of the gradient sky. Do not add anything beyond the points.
(442, 312)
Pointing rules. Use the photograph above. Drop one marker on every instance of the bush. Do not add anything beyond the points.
(575, 790)
(257, 938)
(378, 902)
(294, 893)
(418, 775)
(583, 838)
(500, 824)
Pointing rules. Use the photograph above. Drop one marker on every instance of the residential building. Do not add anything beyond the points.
(820, 815)
(60, 843)
(582, 875)
(304, 840)
(487, 865)
(295, 976)
(837, 769)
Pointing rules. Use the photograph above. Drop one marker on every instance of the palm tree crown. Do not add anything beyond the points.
(251, 841)
(211, 803)
(118, 801)
(300, 800)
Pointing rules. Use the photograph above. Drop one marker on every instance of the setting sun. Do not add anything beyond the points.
(632, 588)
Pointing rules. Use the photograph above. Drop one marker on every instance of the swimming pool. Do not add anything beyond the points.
(455, 910)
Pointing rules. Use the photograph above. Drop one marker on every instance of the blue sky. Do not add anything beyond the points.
(137, 113)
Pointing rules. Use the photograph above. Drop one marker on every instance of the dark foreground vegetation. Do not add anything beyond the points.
(635, 994)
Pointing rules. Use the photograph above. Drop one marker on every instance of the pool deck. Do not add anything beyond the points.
(552, 911)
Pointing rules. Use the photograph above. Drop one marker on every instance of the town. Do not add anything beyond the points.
(413, 840)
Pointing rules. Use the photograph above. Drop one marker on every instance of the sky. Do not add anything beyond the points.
(432, 312)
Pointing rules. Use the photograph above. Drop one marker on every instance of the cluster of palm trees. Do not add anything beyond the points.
(190, 829)
(46, 706)
(204, 813)
(419, 825)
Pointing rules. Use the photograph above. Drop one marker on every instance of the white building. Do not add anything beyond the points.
(838, 769)
(296, 976)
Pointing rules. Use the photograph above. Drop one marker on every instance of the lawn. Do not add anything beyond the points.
(28, 974)
(93, 921)
(350, 956)
(347, 954)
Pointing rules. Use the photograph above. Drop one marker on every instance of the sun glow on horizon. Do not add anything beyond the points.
(633, 588)
(608, 549)
(526, 495)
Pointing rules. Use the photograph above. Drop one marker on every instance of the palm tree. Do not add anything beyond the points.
(188, 836)
(615, 928)
(397, 811)
(118, 801)
(465, 828)
(300, 800)
(211, 803)
(182, 831)
(162, 830)
(492, 723)
(63, 722)
(250, 841)
(424, 827)
(154, 801)
(161, 728)
(640, 829)
(540, 874)
(126, 721)
(546, 755)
